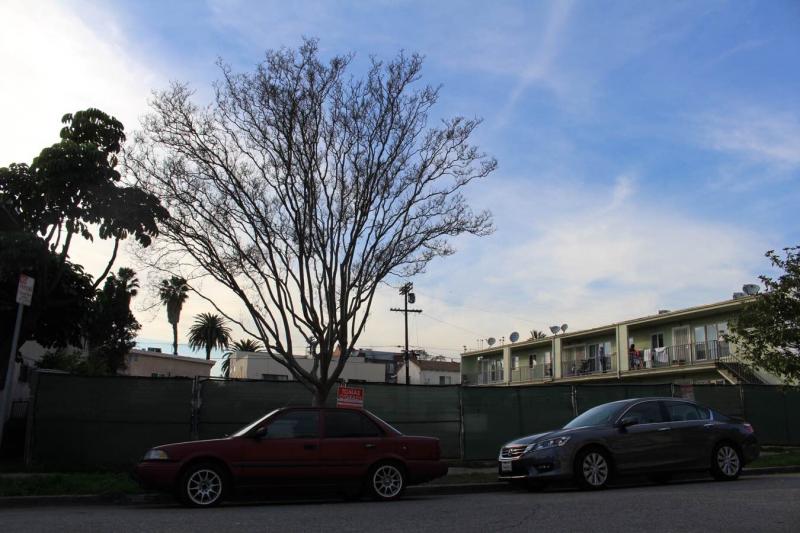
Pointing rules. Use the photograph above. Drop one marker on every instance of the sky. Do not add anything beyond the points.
(649, 152)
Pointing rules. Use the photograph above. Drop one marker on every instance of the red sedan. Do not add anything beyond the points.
(346, 448)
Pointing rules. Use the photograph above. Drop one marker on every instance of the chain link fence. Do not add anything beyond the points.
(80, 423)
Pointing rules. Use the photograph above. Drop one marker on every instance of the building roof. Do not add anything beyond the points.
(159, 355)
(438, 366)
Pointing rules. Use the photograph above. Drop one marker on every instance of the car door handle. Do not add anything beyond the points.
(664, 429)
(711, 425)
(309, 446)
(369, 445)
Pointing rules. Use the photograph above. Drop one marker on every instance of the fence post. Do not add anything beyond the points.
(741, 401)
(461, 434)
(194, 421)
(31, 420)
(574, 398)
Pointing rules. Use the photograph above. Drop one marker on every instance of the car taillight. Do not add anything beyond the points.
(748, 428)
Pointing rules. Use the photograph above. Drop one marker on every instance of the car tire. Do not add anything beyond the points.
(593, 469)
(726, 462)
(203, 485)
(386, 481)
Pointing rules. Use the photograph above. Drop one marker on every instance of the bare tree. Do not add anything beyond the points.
(301, 188)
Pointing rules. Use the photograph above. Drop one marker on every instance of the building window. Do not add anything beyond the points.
(657, 340)
(445, 380)
(274, 377)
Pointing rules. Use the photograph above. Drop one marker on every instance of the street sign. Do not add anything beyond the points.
(25, 289)
(350, 397)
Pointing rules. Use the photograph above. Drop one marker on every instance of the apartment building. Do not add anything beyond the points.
(684, 346)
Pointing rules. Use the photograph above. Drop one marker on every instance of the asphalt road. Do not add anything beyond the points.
(758, 503)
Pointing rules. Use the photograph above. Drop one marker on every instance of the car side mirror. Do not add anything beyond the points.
(626, 422)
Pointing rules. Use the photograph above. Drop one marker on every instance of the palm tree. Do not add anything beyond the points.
(537, 334)
(173, 292)
(242, 345)
(128, 281)
(209, 331)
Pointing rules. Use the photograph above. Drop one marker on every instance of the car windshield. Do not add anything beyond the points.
(249, 427)
(602, 415)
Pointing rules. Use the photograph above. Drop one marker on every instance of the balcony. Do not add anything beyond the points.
(531, 374)
(696, 353)
(588, 367)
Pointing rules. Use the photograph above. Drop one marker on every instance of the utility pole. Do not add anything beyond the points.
(410, 297)
(24, 296)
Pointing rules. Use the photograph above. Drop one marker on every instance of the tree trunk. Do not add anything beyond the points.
(320, 395)
(174, 338)
(208, 352)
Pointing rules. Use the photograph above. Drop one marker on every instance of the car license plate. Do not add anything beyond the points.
(505, 466)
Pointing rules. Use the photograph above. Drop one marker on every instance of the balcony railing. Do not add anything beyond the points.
(527, 374)
(490, 378)
(590, 366)
(696, 353)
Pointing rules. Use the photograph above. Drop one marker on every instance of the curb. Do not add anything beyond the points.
(421, 490)
(770, 470)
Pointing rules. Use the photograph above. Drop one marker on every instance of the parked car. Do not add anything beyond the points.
(350, 449)
(653, 436)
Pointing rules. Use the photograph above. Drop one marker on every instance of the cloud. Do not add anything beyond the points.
(55, 63)
(755, 134)
(586, 255)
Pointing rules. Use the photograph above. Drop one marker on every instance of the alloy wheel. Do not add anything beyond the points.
(204, 487)
(387, 481)
(595, 469)
(728, 461)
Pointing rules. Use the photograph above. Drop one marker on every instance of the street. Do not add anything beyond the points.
(757, 503)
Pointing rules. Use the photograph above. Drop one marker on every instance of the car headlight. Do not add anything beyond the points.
(549, 443)
(156, 455)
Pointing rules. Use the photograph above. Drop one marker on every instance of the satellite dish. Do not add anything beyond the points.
(555, 329)
(490, 341)
(751, 289)
(737, 295)
(514, 337)
(563, 328)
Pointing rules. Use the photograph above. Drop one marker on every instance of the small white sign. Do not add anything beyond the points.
(25, 289)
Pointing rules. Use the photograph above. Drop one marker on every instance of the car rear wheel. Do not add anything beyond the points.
(387, 481)
(593, 469)
(726, 462)
(203, 485)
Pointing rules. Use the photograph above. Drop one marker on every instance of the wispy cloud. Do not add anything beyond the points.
(758, 134)
(539, 70)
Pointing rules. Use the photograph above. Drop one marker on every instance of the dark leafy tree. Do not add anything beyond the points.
(537, 334)
(71, 189)
(767, 331)
(242, 345)
(302, 187)
(111, 328)
(209, 331)
(173, 292)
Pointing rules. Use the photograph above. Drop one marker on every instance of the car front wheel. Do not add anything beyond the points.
(593, 469)
(387, 481)
(726, 462)
(203, 485)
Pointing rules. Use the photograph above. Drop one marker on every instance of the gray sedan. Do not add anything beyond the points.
(652, 436)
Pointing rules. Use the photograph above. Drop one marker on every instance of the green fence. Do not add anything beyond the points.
(105, 422)
(109, 422)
